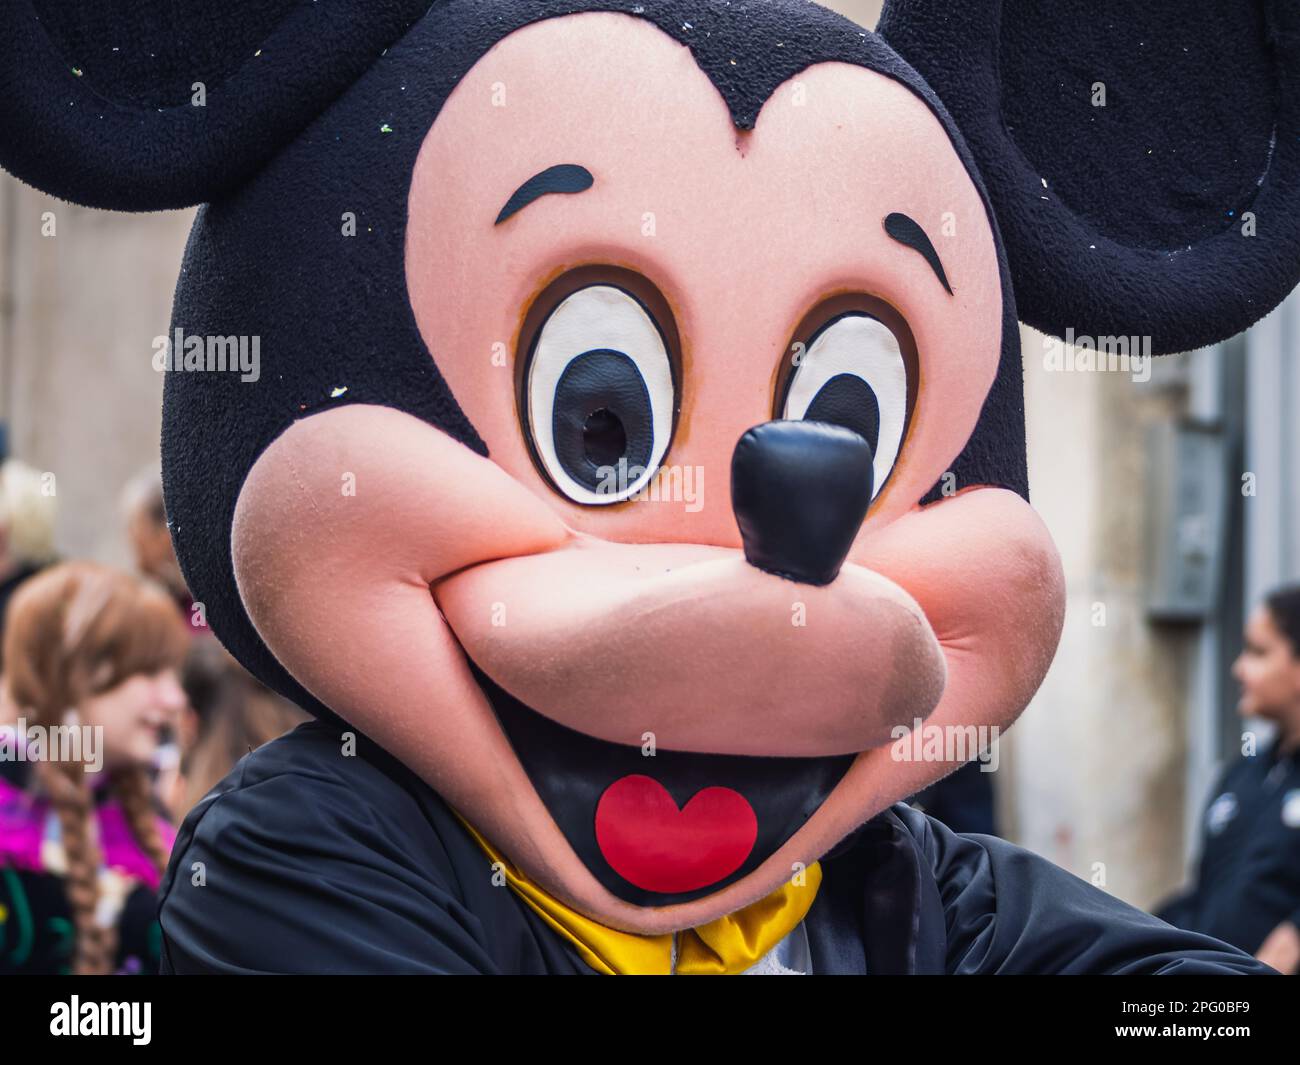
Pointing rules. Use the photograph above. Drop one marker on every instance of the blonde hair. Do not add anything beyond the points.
(27, 513)
(74, 631)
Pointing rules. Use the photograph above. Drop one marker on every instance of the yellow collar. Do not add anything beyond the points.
(729, 945)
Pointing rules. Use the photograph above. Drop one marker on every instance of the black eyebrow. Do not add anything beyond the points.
(908, 231)
(565, 178)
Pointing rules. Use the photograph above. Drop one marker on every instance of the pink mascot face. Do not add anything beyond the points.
(658, 646)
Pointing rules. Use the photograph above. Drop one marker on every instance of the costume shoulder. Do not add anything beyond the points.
(309, 859)
(1008, 910)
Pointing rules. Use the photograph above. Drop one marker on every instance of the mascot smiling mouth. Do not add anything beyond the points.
(668, 794)
(668, 826)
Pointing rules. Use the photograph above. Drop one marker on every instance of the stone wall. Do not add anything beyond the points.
(82, 295)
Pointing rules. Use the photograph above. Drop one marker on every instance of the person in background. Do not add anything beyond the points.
(228, 713)
(151, 543)
(82, 845)
(1247, 889)
(27, 513)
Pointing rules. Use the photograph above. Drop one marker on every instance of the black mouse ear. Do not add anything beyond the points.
(1143, 159)
(167, 103)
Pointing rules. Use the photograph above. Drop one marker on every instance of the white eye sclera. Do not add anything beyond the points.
(853, 373)
(600, 396)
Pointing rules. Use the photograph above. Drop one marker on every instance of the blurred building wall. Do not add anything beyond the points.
(1111, 765)
(1096, 764)
(864, 12)
(82, 295)
(1273, 451)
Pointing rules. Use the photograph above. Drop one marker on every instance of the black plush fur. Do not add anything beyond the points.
(1138, 231)
(97, 96)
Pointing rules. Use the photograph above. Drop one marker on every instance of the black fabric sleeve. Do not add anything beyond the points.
(292, 874)
(1010, 911)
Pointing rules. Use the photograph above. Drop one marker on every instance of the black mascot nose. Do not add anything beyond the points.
(800, 491)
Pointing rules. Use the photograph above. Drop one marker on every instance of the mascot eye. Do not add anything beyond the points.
(599, 395)
(852, 373)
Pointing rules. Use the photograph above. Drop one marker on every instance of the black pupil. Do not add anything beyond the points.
(604, 438)
(603, 421)
(848, 400)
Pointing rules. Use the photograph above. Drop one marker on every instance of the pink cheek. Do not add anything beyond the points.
(985, 571)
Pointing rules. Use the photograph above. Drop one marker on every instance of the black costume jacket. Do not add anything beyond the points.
(308, 861)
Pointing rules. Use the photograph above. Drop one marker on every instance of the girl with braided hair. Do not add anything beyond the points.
(92, 655)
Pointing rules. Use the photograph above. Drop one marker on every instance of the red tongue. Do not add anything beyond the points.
(657, 847)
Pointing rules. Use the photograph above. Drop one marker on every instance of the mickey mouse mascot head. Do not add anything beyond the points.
(638, 442)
